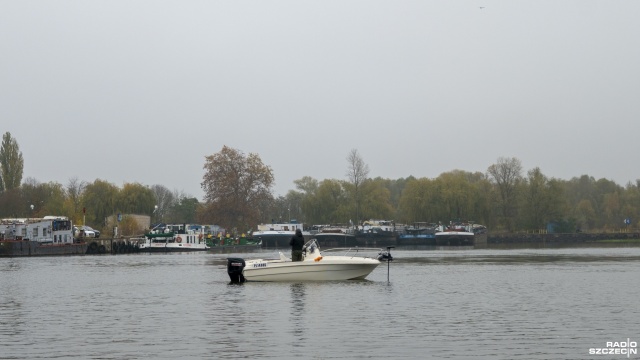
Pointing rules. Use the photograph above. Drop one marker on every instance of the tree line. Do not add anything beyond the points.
(504, 198)
(238, 196)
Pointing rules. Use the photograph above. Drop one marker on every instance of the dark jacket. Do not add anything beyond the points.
(297, 241)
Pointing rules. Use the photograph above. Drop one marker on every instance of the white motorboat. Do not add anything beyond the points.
(315, 266)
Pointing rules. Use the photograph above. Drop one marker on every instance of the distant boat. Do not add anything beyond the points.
(376, 233)
(50, 235)
(277, 235)
(230, 243)
(420, 233)
(170, 238)
(334, 235)
(458, 234)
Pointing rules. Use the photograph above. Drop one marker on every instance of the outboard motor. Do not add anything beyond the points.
(234, 269)
(386, 256)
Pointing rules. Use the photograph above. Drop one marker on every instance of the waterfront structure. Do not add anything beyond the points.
(50, 235)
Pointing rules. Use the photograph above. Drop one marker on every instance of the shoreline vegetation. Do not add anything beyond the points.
(505, 198)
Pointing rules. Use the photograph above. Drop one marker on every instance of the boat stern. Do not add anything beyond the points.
(235, 267)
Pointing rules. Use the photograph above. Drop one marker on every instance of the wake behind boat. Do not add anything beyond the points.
(315, 266)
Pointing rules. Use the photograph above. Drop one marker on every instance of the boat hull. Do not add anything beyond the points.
(11, 248)
(413, 240)
(376, 239)
(225, 249)
(309, 270)
(455, 238)
(171, 248)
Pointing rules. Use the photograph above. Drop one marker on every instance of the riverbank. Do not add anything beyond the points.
(562, 238)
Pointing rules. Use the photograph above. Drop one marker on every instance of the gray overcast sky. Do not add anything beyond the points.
(142, 91)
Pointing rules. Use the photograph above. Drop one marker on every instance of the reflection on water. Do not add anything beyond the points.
(568, 245)
(529, 245)
(297, 313)
(487, 304)
(522, 256)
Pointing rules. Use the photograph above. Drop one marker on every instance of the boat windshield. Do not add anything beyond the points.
(311, 247)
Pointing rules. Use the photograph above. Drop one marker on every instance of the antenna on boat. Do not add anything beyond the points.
(386, 256)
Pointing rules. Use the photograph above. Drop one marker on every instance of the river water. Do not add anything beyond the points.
(449, 304)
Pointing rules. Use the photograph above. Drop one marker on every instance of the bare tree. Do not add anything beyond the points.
(75, 188)
(11, 163)
(357, 172)
(507, 174)
(164, 200)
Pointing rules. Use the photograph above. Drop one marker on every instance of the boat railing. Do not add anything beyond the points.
(347, 251)
(351, 251)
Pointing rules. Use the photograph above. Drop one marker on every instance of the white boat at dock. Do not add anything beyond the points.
(169, 238)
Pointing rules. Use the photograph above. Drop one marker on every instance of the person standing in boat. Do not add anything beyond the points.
(296, 242)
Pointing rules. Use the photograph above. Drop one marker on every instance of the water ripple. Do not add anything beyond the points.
(491, 304)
